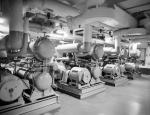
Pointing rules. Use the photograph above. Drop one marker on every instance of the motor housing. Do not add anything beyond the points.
(79, 74)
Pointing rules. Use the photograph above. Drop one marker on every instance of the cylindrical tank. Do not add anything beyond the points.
(11, 87)
(23, 73)
(112, 69)
(79, 74)
(96, 72)
(43, 81)
(42, 48)
(66, 48)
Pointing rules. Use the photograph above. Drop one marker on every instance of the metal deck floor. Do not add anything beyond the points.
(130, 99)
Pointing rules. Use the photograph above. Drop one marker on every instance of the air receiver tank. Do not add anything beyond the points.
(42, 48)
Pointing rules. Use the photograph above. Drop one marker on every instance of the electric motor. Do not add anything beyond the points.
(130, 67)
(42, 48)
(112, 69)
(11, 87)
(79, 74)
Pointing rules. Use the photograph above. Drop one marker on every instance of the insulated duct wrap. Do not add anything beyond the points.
(16, 43)
(67, 48)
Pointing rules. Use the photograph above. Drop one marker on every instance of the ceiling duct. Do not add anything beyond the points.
(59, 8)
(97, 12)
(146, 23)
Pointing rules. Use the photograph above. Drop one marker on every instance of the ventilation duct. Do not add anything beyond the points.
(146, 23)
(59, 8)
(114, 17)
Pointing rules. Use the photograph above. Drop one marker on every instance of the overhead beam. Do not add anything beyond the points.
(139, 9)
(141, 5)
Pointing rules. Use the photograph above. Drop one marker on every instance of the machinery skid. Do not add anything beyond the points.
(83, 92)
(37, 107)
(115, 82)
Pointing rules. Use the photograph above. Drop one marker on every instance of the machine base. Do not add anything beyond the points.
(35, 108)
(133, 76)
(83, 92)
(115, 82)
(130, 76)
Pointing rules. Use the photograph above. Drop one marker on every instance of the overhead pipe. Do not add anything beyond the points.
(141, 38)
(131, 31)
(77, 47)
(125, 33)
(133, 34)
(59, 8)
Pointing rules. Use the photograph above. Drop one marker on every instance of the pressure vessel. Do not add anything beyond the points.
(79, 74)
(43, 81)
(42, 48)
(11, 87)
(112, 69)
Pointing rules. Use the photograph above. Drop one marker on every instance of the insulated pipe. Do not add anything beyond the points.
(86, 47)
(66, 48)
(87, 36)
(59, 8)
(132, 31)
(14, 41)
(142, 38)
(126, 32)
(25, 36)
